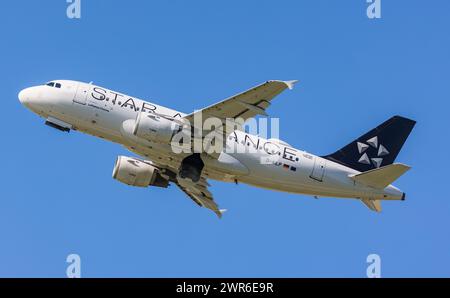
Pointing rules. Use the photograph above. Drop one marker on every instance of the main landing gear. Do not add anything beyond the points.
(191, 167)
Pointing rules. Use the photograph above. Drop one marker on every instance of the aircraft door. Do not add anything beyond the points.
(81, 94)
(318, 169)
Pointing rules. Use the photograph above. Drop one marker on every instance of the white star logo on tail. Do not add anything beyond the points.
(365, 159)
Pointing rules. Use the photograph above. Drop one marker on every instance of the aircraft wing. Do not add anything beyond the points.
(200, 194)
(245, 105)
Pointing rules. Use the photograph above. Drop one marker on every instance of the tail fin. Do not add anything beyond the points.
(379, 147)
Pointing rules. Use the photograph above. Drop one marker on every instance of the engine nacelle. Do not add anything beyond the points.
(136, 172)
(155, 128)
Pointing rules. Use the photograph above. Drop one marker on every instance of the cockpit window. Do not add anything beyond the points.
(53, 84)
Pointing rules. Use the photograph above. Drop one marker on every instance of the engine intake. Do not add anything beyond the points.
(136, 172)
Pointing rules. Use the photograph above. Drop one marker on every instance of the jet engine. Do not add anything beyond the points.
(136, 172)
(153, 127)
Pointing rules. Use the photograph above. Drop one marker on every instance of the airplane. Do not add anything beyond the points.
(363, 170)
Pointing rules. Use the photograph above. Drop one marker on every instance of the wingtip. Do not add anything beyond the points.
(220, 212)
(291, 84)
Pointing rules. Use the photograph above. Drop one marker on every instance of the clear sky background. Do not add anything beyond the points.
(57, 196)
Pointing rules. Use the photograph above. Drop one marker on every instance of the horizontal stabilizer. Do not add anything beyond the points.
(374, 205)
(381, 177)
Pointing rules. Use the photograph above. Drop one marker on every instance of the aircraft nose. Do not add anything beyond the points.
(24, 96)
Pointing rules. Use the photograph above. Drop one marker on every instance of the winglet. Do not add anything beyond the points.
(220, 212)
(291, 84)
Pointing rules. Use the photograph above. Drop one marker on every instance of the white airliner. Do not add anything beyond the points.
(363, 169)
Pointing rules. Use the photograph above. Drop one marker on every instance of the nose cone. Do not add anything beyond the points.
(25, 96)
(31, 98)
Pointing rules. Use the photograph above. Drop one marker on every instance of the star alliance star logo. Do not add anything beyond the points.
(373, 142)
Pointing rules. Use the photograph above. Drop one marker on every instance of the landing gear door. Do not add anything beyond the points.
(318, 169)
(81, 94)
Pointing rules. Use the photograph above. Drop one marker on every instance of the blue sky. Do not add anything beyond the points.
(57, 195)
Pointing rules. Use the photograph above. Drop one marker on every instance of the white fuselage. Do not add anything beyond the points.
(110, 115)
